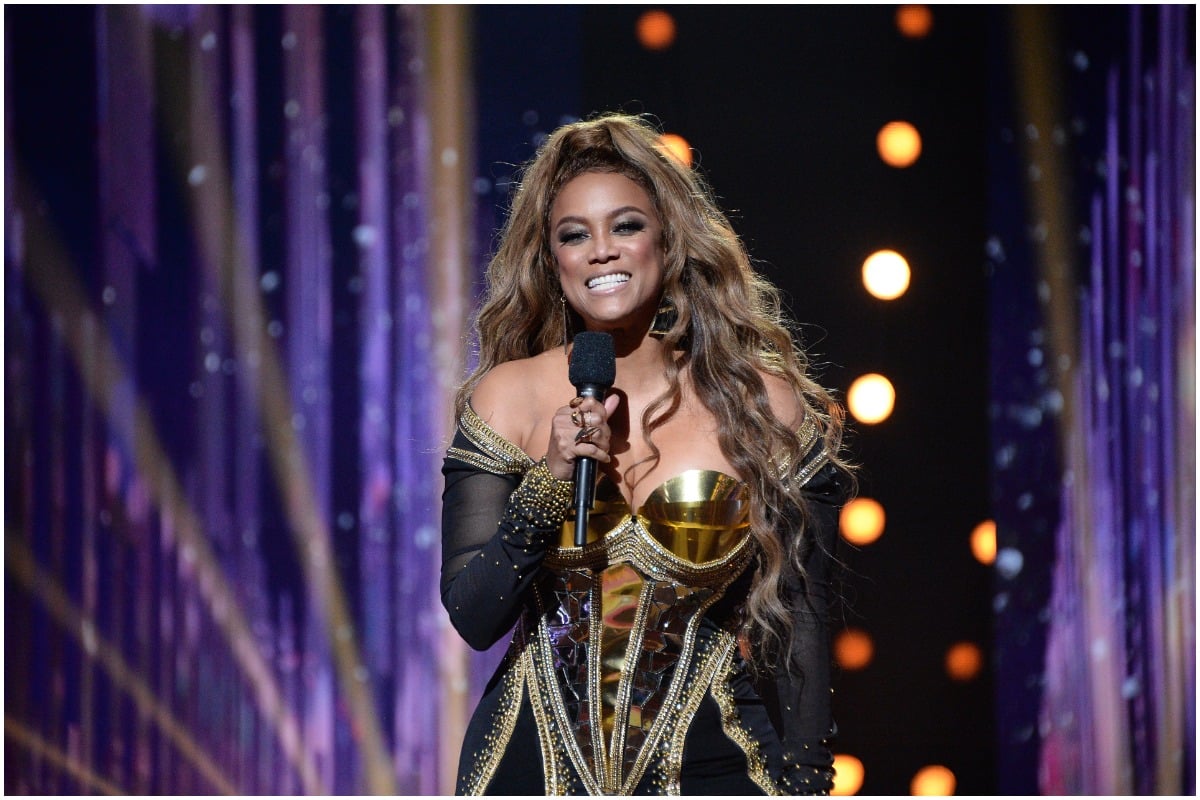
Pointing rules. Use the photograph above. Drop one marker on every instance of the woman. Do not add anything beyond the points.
(684, 647)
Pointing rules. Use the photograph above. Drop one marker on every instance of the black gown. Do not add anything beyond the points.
(624, 674)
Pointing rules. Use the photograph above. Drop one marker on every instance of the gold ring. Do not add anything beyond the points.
(575, 418)
(584, 435)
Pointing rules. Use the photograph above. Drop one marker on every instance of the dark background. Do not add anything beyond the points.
(781, 105)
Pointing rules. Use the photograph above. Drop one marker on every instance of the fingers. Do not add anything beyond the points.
(579, 430)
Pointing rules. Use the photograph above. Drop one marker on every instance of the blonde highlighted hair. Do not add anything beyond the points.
(729, 330)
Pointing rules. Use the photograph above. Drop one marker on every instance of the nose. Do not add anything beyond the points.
(603, 248)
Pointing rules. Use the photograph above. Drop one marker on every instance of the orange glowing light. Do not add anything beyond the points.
(964, 660)
(849, 774)
(983, 542)
(656, 30)
(886, 274)
(677, 146)
(862, 520)
(853, 648)
(899, 144)
(933, 781)
(871, 398)
(915, 22)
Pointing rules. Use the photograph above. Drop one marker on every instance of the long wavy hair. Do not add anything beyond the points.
(728, 329)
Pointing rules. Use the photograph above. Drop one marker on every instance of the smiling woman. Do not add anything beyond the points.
(608, 243)
(683, 645)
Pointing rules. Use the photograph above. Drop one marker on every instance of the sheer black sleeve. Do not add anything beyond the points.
(500, 512)
(799, 693)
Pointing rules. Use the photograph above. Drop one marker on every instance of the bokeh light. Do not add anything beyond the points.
(871, 398)
(853, 648)
(656, 30)
(983, 542)
(899, 144)
(964, 660)
(862, 520)
(933, 781)
(914, 21)
(886, 274)
(677, 146)
(849, 777)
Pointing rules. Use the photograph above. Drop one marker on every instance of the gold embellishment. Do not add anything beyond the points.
(731, 723)
(552, 720)
(553, 761)
(808, 434)
(497, 454)
(503, 723)
(708, 670)
(680, 682)
(812, 467)
(631, 542)
(621, 710)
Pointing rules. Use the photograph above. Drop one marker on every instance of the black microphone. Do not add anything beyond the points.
(593, 369)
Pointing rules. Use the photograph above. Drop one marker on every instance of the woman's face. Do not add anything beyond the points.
(607, 240)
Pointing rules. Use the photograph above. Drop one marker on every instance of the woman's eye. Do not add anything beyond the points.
(629, 226)
(567, 237)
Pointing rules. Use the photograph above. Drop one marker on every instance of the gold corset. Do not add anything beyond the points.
(614, 634)
(689, 529)
(637, 589)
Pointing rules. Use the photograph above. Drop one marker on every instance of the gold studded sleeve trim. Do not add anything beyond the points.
(487, 449)
(500, 511)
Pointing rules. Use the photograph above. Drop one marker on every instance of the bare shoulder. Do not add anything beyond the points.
(783, 400)
(513, 397)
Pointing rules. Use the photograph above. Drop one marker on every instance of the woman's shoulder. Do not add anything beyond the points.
(511, 397)
(782, 397)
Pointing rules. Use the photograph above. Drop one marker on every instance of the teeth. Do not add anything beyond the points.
(608, 280)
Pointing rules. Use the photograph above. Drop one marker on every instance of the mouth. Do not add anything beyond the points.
(609, 280)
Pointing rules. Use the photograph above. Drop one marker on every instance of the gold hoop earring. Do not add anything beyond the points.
(562, 299)
(664, 318)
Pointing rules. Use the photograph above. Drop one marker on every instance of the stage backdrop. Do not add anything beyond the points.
(241, 245)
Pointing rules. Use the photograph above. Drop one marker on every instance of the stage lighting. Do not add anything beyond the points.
(914, 22)
(871, 398)
(886, 274)
(849, 774)
(853, 649)
(964, 660)
(656, 30)
(983, 542)
(862, 521)
(933, 781)
(677, 146)
(899, 144)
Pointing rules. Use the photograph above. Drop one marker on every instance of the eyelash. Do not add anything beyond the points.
(627, 226)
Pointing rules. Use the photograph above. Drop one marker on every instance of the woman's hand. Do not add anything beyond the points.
(580, 429)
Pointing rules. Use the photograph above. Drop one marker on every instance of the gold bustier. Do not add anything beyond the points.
(612, 655)
(621, 618)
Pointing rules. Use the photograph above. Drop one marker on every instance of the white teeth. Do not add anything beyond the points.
(608, 280)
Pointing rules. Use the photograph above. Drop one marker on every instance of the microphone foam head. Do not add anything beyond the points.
(593, 359)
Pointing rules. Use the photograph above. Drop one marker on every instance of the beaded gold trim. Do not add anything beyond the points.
(631, 541)
(553, 723)
(497, 454)
(708, 669)
(503, 723)
(809, 434)
(683, 680)
(731, 723)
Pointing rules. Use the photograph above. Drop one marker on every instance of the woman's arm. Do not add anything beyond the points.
(800, 690)
(495, 530)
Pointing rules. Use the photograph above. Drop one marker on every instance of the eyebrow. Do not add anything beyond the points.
(616, 212)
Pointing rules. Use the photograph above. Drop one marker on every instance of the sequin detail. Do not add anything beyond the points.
(503, 722)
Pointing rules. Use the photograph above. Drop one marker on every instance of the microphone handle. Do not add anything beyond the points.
(585, 478)
(585, 475)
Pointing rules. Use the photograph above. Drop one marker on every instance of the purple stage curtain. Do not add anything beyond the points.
(1094, 400)
(236, 290)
